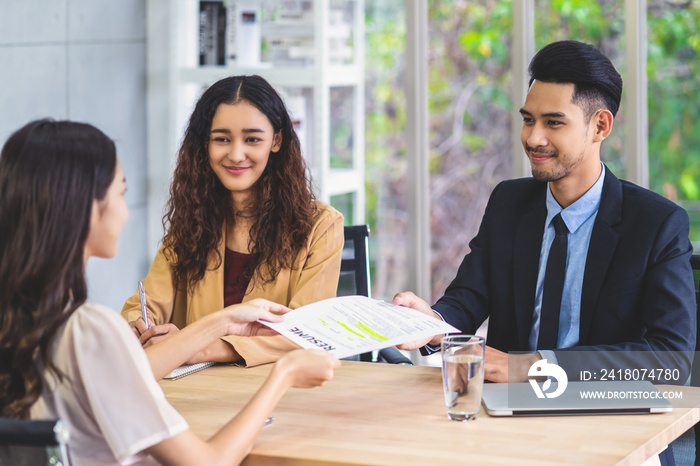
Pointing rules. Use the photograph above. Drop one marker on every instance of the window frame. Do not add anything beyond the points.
(523, 34)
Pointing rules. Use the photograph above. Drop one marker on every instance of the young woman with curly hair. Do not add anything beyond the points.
(242, 223)
(62, 202)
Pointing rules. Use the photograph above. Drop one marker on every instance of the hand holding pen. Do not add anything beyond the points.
(144, 311)
(142, 324)
(147, 332)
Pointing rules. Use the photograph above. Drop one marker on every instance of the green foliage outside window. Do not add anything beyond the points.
(673, 89)
(673, 71)
(471, 111)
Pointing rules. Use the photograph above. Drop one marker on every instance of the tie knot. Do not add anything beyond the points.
(559, 225)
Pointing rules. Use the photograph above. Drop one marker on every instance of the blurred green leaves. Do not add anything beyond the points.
(471, 107)
(673, 73)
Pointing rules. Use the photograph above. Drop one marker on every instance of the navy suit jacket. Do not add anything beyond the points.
(638, 293)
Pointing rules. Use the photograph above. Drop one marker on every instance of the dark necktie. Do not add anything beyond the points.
(553, 286)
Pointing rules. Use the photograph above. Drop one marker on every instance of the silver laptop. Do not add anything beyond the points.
(578, 398)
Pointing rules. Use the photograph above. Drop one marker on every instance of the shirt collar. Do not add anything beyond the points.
(577, 213)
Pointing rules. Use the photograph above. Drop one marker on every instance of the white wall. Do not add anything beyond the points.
(85, 60)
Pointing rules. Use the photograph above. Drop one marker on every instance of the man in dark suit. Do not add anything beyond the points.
(628, 295)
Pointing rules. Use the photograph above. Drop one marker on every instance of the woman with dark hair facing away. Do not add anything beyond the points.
(61, 202)
(242, 223)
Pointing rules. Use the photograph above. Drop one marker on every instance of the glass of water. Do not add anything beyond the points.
(463, 375)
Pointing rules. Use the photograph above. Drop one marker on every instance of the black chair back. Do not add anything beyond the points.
(355, 280)
(354, 266)
(33, 443)
(695, 372)
(695, 265)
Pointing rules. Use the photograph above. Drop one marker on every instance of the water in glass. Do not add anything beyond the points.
(463, 376)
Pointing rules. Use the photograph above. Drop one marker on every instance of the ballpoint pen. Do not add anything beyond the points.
(142, 298)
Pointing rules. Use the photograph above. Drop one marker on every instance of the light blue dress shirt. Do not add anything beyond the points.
(579, 218)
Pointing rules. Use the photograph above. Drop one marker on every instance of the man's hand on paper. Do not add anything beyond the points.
(497, 364)
(408, 299)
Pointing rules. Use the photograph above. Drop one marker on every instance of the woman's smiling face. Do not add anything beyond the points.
(240, 142)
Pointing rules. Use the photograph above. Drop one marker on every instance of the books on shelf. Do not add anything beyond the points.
(246, 27)
(212, 30)
(288, 50)
(293, 12)
(233, 32)
(229, 32)
(231, 47)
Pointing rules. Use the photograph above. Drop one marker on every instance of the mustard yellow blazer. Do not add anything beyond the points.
(314, 277)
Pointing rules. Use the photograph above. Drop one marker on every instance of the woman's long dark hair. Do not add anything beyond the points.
(282, 207)
(50, 173)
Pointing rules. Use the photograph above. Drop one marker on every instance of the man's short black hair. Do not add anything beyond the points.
(597, 83)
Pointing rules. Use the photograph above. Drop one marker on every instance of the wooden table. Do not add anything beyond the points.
(382, 414)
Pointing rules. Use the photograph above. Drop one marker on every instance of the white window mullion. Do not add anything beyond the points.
(635, 93)
(418, 174)
(522, 51)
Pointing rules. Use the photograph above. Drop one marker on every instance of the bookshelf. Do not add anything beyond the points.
(323, 83)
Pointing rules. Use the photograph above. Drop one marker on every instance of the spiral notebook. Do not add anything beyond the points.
(188, 369)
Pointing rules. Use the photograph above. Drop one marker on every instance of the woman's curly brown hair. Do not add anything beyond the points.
(282, 208)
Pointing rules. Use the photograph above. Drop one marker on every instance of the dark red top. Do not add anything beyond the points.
(235, 285)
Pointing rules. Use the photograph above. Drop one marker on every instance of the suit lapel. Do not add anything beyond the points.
(600, 250)
(528, 242)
